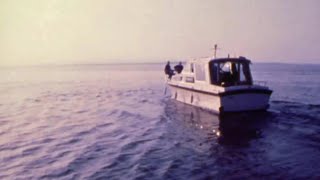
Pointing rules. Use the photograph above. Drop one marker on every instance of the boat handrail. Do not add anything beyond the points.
(260, 83)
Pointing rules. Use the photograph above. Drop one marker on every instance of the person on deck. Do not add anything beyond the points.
(178, 68)
(168, 70)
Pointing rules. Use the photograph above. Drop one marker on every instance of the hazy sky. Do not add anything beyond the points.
(111, 31)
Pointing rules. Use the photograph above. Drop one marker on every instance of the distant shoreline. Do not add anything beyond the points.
(139, 63)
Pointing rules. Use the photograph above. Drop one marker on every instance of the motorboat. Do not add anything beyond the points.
(220, 85)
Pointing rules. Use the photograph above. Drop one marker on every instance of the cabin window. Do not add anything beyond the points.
(225, 67)
(227, 73)
(200, 72)
(214, 73)
(245, 75)
(230, 73)
(242, 76)
(189, 79)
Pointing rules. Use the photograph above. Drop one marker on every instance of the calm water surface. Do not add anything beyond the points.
(114, 122)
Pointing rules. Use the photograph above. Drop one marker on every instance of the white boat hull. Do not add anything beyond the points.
(232, 101)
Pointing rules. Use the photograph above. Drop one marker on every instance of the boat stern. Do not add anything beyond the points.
(249, 99)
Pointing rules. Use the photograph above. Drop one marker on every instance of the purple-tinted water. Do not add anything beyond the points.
(114, 122)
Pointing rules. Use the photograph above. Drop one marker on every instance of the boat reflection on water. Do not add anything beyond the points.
(240, 128)
(227, 129)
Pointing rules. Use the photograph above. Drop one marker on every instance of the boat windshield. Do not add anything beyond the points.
(229, 73)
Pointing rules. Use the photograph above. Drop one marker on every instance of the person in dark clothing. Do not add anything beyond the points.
(178, 68)
(234, 73)
(168, 70)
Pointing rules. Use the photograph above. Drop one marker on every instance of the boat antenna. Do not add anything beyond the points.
(215, 50)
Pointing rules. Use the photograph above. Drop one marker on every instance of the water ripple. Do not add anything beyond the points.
(125, 128)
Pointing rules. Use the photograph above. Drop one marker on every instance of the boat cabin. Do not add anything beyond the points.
(220, 72)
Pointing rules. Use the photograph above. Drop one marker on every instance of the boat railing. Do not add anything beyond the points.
(260, 83)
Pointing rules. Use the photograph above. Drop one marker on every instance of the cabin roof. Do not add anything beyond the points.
(218, 60)
(239, 59)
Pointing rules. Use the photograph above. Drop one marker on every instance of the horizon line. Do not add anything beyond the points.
(140, 63)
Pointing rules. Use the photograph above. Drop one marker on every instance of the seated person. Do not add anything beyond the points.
(226, 78)
(168, 70)
(178, 68)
